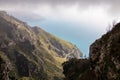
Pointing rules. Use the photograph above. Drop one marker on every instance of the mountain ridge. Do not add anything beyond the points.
(31, 51)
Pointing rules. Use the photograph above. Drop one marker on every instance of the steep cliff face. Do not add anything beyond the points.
(104, 60)
(32, 52)
(105, 55)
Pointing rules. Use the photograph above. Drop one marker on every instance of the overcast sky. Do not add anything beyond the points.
(78, 21)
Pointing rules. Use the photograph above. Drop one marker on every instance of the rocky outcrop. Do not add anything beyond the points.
(105, 55)
(78, 69)
(32, 52)
(104, 60)
(5, 67)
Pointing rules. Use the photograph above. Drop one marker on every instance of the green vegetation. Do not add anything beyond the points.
(3, 56)
(33, 53)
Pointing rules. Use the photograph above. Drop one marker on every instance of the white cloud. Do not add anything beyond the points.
(97, 14)
(92, 15)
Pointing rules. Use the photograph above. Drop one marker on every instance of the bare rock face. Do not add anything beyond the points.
(105, 55)
(74, 53)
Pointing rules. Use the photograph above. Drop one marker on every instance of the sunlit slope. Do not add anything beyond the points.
(31, 51)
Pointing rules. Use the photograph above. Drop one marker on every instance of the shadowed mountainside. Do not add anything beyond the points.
(103, 63)
(30, 53)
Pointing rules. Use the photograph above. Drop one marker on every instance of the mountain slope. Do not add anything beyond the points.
(105, 55)
(31, 52)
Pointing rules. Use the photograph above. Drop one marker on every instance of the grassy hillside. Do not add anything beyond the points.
(33, 53)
